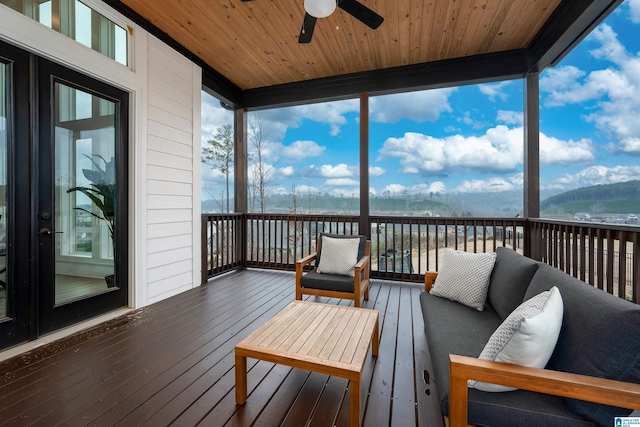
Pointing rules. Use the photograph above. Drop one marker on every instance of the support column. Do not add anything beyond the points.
(531, 161)
(240, 165)
(364, 165)
(240, 175)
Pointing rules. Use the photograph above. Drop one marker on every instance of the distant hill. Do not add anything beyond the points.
(623, 197)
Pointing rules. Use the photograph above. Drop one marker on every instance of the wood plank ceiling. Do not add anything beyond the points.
(254, 44)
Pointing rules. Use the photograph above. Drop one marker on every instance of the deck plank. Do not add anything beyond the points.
(172, 363)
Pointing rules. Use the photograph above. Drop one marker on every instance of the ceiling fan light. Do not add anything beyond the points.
(319, 8)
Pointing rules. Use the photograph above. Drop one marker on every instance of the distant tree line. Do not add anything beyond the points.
(605, 192)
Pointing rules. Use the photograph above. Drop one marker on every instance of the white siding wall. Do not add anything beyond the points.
(172, 178)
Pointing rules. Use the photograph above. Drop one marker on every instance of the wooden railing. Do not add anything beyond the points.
(605, 256)
(222, 237)
(404, 248)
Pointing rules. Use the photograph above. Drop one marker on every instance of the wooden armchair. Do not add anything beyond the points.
(335, 285)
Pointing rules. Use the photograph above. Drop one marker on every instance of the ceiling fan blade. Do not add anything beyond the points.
(361, 12)
(306, 32)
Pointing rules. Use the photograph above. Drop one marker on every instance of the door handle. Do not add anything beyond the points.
(47, 232)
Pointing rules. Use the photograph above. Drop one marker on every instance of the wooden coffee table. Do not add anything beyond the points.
(327, 339)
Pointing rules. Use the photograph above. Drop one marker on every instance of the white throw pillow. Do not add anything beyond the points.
(527, 337)
(464, 277)
(339, 256)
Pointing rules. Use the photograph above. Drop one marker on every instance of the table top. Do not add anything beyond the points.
(309, 335)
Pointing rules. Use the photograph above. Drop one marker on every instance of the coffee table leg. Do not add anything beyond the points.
(241, 379)
(354, 402)
(375, 344)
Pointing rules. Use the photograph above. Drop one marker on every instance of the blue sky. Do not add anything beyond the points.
(467, 139)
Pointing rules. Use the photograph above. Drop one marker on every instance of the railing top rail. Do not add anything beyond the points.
(589, 225)
(223, 215)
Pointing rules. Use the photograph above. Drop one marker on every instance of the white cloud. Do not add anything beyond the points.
(510, 117)
(424, 188)
(339, 171)
(376, 171)
(394, 189)
(279, 190)
(467, 119)
(498, 150)
(277, 121)
(340, 182)
(557, 151)
(594, 175)
(213, 116)
(421, 106)
(634, 10)
(437, 187)
(306, 189)
(630, 146)
(562, 86)
(420, 188)
(494, 90)
(613, 89)
(488, 185)
(299, 150)
(287, 171)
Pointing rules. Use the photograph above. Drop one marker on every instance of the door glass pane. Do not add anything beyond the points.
(3, 186)
(84, 193)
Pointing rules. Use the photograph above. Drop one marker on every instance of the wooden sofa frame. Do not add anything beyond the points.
(360, 284)
(582, 387)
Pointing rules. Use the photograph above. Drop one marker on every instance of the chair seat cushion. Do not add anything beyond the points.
(329, 282)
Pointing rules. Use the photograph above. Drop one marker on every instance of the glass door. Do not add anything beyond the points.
(15, 197)
(82, 197)
(4, 92)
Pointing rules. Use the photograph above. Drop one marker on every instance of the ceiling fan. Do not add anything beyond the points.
(315, 9)
(322, 8)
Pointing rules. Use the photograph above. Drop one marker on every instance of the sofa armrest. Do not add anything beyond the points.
(429, 278)
(592, 389)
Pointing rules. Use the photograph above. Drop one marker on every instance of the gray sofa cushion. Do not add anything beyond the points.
(599, 337)
(454, 328)
(510, 279)
(329, 282)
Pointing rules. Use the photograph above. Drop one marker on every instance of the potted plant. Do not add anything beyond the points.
(102, 193)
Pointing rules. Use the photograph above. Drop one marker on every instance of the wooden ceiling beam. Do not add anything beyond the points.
(451, 72)
(568, 25)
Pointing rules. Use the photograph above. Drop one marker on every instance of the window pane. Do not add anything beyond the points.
(589, 131)
(217, 156)
(78, 21)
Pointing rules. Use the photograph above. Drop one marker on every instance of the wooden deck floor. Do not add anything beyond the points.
(172, 364)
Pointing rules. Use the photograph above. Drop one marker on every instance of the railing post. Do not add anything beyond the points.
(204, 256)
